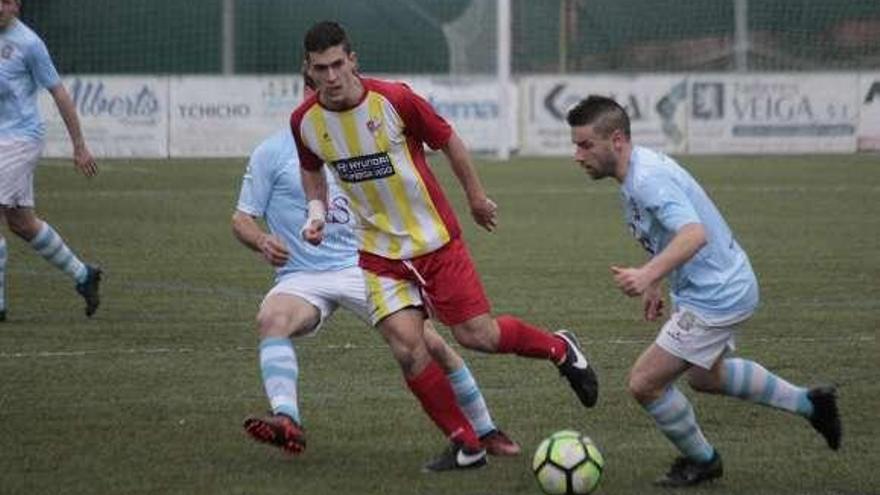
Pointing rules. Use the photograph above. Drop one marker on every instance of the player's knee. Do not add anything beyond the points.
(477, 338)
(641, 388)
(24, 226)
(274, 324)
(706, 384)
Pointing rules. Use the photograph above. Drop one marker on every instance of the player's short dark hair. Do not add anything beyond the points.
(308, 81)
(325, 35)
(604, 114)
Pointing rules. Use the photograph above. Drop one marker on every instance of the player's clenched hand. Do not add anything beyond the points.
(313, 231)
(274, 250)
(632, 281)
(85, 162)
(652, 300)
(485, 213)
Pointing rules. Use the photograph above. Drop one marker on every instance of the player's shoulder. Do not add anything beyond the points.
(272, 149)
(304, 107)
(649, 167)
(24, 35)
(393, 90)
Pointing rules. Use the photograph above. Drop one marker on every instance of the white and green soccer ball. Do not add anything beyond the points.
(568, 463)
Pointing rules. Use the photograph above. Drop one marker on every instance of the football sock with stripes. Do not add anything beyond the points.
(434, 392)
(52, 248)
(280, 371)
(520, 338)
(471, 400)
(674, 415)
(750, 381)
(3, 257)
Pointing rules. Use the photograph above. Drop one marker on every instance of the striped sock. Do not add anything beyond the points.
(471, 400)
(280, 371)
(3, 257)
(750, 381)
(52, 248)
(675, 417)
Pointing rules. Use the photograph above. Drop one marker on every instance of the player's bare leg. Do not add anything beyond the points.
(651, 383)
(49, 244)
(403, 331)
(280, 317)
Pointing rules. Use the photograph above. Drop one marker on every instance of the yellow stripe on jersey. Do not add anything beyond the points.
(437, 222)
(398, 190)
(316, 117)
(371, 191)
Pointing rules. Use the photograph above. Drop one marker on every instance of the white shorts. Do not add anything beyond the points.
(18, 160)
(688, 336)
(327, 290)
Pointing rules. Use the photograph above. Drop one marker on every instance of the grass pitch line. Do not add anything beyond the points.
(350, 346)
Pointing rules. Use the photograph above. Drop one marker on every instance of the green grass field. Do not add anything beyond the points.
(148, 396)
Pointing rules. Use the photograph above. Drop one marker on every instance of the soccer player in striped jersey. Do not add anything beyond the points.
(371, 134)
(311, 282)
(25, 66)
(712, 287)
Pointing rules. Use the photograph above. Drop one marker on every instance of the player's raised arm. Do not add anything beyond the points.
(483, 209)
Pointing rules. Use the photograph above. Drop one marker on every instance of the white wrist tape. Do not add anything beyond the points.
(317, 210)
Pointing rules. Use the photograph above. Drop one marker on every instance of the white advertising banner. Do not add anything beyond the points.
(472, 107)
(869, 116)
(656, 105)
(773, 113)
(213, 116)
(120, 116)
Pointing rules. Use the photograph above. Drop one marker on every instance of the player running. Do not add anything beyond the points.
(712, 287)
(25, 66)
(310, 284)
(371, 133)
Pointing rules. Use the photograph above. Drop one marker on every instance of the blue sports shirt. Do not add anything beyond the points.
(272, 189)
(25, 66)
(659, 198)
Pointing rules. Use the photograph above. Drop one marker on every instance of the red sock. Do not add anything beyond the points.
(522, 339)
(435, 393)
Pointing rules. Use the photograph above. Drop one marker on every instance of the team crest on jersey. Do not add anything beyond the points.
(373, 126)
(6, 51)
(363, 168)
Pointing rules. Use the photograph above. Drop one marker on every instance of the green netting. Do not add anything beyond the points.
(438, 37)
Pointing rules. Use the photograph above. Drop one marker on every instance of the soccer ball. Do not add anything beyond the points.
(567, 463)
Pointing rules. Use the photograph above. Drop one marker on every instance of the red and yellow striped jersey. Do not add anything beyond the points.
(376, 151)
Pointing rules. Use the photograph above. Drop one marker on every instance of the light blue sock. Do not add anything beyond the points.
(280, 371)
(750, 381)
(675, 417)
(52, 248)
(471, 400)
(3, 257)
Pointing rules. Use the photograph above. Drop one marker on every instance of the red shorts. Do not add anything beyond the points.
(446, 278)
